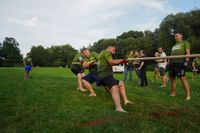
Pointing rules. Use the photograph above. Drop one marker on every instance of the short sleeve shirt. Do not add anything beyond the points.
(94, 58)
(179, 49)
(162, 64)
(104, 68)
(77, 58)
(28, 60)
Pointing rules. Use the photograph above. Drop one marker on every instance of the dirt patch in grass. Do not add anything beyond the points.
(173, 113)
(107, 120)
(152, 116)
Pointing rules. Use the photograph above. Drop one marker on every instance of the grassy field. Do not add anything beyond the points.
(50, 103)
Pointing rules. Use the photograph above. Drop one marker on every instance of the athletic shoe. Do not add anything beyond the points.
(187, 98)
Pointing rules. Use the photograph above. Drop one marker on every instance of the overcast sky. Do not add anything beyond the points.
(81, 22)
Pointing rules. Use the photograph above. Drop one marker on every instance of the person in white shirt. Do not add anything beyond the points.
(162, 67)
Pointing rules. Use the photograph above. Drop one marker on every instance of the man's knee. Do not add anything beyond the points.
(115, 88)
(79, 75)
(182, 78)
(121, 83)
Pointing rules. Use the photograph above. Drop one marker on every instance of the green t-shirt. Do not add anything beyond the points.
(78, 58)
(94, 58)
(197, 62)
(104, 68)
(28, 60)
(179, 49)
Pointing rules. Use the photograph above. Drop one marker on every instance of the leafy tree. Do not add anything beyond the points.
(1, 54)
(63, 53)
(40, 56)
(10, 52)
(131, 33)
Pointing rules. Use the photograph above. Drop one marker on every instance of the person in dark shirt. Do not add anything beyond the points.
(142, 68)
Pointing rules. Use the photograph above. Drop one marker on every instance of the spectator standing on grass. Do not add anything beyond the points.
(162, 67)
(137, 65)
(143, 69)
(27, 66)
(196, 67)
(156, 73)
(177, 66)
(128, 67)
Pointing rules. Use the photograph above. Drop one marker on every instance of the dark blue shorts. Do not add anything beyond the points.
(27, 68)
(91, 77)
(108, 81)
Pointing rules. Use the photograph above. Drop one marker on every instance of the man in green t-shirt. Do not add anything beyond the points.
(106, 77)
(27, 66)
(177, 66)
(77, 69)
(90, 63)
(196, 67)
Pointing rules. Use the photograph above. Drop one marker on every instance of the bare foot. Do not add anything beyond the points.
(81, 89)
(128, 102)
(120, 110)
(93, 95)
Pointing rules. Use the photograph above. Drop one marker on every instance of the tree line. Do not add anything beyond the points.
(187, 23)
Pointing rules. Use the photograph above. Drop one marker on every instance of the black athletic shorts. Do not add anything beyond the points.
(108, 81)
(91, 77)
(77, 71)
(176, 69)
(162, 71)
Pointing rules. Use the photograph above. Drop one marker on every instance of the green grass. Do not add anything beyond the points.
(50, 103)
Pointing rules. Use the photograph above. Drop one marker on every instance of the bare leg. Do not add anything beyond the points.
(186, 86)
(26, 75)
(173, 86)
(164, 80)
(116, 98)
(123, 92)
(89, 87)
(79, 79)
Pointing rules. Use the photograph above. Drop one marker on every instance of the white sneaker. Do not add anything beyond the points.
(187, 98)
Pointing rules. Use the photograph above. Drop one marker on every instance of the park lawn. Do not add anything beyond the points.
(50, 103)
